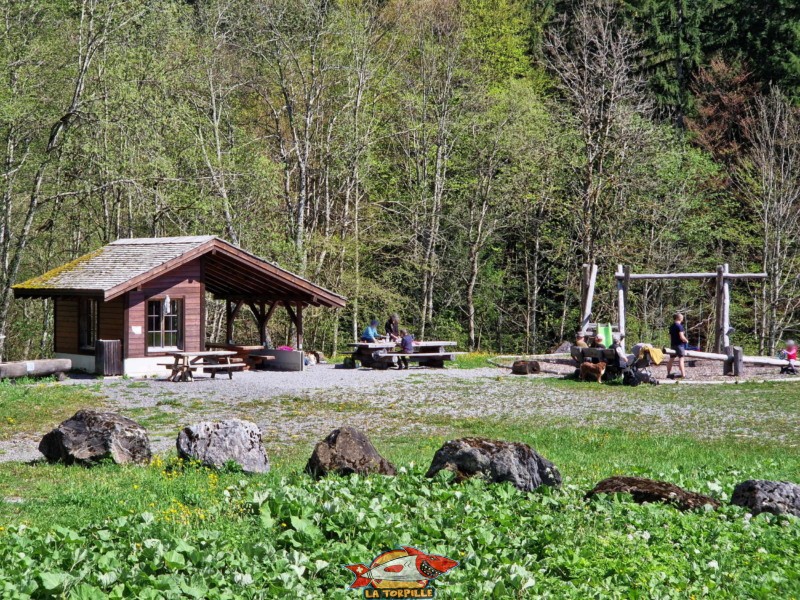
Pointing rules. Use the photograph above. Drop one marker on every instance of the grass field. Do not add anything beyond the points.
(179, 530)
(26, 407)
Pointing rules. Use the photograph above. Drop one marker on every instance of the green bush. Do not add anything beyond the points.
(287, 536)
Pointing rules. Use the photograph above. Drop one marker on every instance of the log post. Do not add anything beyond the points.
(587, 307)
(726, 307)
(738, 361)
(621, 299)
(297, 319)
(727, 366)
(259, 311)
(264, 333)
(299, 326)
(584, 287)
(718, 314)
(231, 310)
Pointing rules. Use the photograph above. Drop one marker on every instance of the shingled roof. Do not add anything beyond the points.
(230, 272)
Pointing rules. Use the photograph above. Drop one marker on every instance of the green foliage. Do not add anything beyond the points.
(386, 150)
(495, 32)
(286, 534)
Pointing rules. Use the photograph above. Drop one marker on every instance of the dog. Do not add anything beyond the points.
(592, 370)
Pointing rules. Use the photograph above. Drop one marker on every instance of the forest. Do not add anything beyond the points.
(454, 161)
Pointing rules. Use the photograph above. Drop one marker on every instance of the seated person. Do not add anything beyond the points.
(580, 340)
(406, 347)
(598, 342)
(790, 354)
(370, 334)
(622, 358)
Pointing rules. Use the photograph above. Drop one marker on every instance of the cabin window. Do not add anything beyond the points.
(164, 324)
(88, 311)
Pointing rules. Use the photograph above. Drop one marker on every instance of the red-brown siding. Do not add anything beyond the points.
(111, 320)
(65, 335)
(183, 283)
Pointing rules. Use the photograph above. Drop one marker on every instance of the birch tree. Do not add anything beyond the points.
(33, 138)
(771, 182)
(429, 110)
(593, 57)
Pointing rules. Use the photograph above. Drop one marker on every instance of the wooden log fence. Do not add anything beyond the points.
(734, 359)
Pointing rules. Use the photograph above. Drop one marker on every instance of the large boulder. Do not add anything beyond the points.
(347, 450)
(776, 497)
(216, 443)
(90, 436)
(497, 461)
(648, 490)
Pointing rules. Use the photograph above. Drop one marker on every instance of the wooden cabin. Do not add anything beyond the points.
(150, 295)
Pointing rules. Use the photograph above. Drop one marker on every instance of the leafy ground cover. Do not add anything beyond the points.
(173, 530)
(179, 530)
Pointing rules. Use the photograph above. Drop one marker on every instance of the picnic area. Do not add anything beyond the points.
(459, 299)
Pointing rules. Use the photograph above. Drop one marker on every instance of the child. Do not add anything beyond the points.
(406, 347)
(371, 333)
(790, 354)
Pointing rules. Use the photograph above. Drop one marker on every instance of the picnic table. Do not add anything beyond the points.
(186, 363)
(382, 355)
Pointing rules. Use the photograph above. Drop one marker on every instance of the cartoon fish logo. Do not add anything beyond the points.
(405, 567)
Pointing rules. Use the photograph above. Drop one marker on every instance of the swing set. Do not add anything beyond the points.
(732, 356)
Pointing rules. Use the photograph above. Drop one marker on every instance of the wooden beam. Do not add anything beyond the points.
(587, 307)
(697, 354)
(299, 326)
(718, 345)
(291, 313)
(270, 312)
(231, 310)
(745, 276)
(621, 293)
(726, 311)
(639, 276)
(764, 361)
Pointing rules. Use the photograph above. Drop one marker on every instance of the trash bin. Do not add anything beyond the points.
(108, 357)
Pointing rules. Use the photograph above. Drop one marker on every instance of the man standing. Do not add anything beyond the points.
(678, 341)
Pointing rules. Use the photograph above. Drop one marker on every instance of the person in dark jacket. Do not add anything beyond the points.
(393, 328)
(678, 342)
(406, 347)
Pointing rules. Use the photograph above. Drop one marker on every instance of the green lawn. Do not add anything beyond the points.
(176, 530)
(30, 407)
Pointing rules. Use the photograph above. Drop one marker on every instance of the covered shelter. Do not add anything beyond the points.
(149, 294)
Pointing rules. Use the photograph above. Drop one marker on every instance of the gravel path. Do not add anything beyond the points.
(301, 408)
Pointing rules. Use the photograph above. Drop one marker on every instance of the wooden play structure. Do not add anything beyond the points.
(732, 357)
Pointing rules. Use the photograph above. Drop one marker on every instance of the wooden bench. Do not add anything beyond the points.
(428, 359)
(186, 363)
(606, 355)
(179, 372)
(229, 367)
(380, 355)
(594, 354)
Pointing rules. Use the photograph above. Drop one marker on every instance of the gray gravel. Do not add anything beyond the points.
(298, 409)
